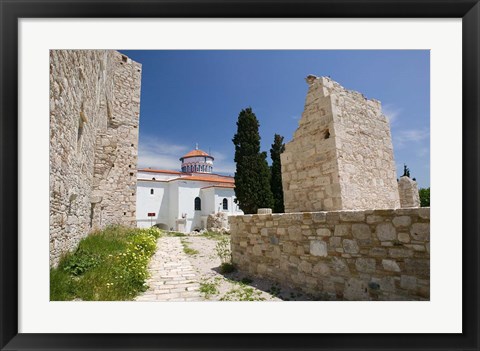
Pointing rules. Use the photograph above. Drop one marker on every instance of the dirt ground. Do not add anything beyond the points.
(235, 286)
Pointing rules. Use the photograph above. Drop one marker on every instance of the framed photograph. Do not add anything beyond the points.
(405, 292)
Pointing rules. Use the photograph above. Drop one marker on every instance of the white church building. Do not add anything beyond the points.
(182, 201)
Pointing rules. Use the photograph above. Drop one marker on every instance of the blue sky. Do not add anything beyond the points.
(191, 97)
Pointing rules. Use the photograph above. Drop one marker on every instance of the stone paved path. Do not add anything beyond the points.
(172, 277)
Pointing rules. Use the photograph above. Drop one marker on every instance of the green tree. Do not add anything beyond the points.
(252, 176)
(424, 197)
(276, 170)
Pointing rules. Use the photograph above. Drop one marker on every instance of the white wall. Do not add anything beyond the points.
(158, 202)
(187, 192)
(157, 176)
(209, 196)
(172, 199)
(229, 194)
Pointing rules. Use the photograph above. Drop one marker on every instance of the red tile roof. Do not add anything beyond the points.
(229, 186)
(158, 171)
(195, 153)
(208, 178)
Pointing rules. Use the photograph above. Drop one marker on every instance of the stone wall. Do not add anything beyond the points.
(94, 116)
(408, 192)
(341, 155)
(351, 255)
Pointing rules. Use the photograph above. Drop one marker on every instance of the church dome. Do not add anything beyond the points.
(197, 161)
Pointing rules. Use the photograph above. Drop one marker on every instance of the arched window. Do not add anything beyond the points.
(153, 178)
(198, 204)
(151, 191)
(225, 204)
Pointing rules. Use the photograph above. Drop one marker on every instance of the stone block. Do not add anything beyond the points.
(342, 230)
(420, 231)
(377, 252)
(402, 221)
(403, 237)
(324, 232)
(335, 242)
(365, 265)
(305, 267)
(352, 216)
(424, 212)
(408, 282)
(361, 231)
(318, 248)
(263, 211)
(340, 266)
(386, 231)
(350, 246)
(398, 252)
(356, 290)
(295, 233)
(321, 268)
(374, 219)
(319, 217)
(390, 265)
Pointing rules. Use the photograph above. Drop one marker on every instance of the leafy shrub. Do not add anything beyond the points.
(227, 267)
(107, 265)
(223, 249)
(80, 262)
(424, 197)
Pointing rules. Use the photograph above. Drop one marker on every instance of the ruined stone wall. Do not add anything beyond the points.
(352, 255)
(408, 192)
(94, 116)
(341, 155)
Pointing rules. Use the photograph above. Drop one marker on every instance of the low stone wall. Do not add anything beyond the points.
(339, 255)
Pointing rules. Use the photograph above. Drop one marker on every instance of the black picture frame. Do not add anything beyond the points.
(12, 11)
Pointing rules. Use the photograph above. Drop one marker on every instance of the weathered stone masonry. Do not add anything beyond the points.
(341, 155)
(352, 255)
(408, 191)
(94, 117)
(340, 158)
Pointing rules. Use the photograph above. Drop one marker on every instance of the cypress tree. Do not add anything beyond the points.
(276, 169)
(252, 176)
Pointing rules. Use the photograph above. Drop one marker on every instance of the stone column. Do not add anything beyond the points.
(408, 192)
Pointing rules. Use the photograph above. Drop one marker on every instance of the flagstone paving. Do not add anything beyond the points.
(172, 276)
(178, 276)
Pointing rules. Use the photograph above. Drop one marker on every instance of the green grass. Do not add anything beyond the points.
(208, 289)
(109, 265)
(177, 234)
(242, 293)
(213, 235)
(227, 267)
(188, 250)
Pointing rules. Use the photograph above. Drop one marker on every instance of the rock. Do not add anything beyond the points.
(318, 248)
(386, 231)
(218, 222)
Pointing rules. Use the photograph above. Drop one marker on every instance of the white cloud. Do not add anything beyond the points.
(423, 151)
(404, 137)
(222, 163)
(158, 154)
(391, 112)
